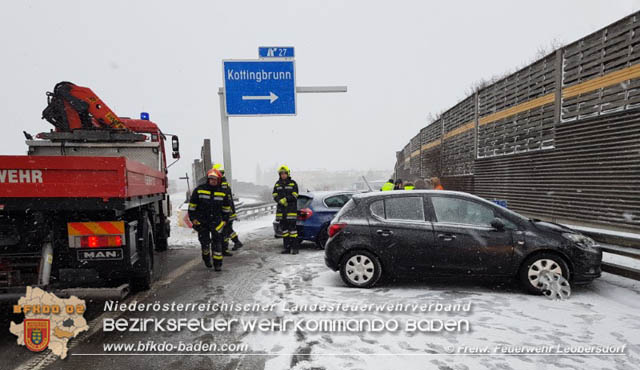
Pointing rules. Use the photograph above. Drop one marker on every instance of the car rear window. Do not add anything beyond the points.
(303, 201)
(377, 208)
(347, 207)
(461, 211)
(401, 208)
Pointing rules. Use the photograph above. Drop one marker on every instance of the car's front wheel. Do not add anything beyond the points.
(532, 269)
(360, 269)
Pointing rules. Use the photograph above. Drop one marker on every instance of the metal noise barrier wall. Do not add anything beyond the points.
(558, 139)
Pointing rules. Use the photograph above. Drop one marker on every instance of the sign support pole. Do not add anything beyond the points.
(224, 121)
(226, 142)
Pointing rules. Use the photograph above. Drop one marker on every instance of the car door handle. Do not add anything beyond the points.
(446, 237)
(384, 232)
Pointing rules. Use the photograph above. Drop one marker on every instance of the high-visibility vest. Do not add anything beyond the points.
(387, 186)
(409, 187)
(439, 187)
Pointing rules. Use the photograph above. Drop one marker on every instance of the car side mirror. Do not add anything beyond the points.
(497, 224)
(175, 147)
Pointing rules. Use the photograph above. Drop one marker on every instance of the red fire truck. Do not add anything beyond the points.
(84, 211)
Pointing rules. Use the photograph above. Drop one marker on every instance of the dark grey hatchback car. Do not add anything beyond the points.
(450, 234)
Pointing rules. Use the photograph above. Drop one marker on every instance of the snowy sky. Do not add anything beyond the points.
(401, 60)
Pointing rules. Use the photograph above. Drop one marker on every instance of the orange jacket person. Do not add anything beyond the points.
(435, 182)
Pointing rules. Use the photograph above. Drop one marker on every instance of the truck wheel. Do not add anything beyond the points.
(143, 276)
(162, 241)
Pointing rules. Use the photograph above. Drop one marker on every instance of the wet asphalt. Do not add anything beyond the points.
(181, 277)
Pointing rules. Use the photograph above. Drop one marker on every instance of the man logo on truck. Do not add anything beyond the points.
(100, 255)
(20, 176)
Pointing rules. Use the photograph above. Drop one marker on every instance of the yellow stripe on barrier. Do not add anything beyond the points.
(531, 104)
(596, 83)
(430, 145)
(464, 128)
(593, 84)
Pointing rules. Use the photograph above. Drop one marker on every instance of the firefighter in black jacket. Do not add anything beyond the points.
(229, 233)
(285, 193)
(209, 211)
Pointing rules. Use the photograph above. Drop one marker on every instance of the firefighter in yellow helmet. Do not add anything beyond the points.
(285, 193)
(209, 211)
(229, 233)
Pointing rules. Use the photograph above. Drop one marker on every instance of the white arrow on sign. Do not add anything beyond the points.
(271, 97)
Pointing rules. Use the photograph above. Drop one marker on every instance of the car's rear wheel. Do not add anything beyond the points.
(360, 269)
(322, 237)
(532, 270)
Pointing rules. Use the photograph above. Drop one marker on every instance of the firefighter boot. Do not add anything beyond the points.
(225, 247)
(206, 257)
(217, 261)
(237, 244)
(294, 245)
(287, 247)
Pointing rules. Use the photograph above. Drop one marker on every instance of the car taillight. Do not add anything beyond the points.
(97, 241)
(336, 228)
(304, 214)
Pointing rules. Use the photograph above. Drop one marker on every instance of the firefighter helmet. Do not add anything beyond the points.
(284, 169)
(214, 173)
(219, 167)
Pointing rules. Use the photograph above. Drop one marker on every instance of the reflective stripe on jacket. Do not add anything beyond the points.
(286, 189)
(209, 204)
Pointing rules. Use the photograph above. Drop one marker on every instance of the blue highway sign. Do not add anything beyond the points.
(276, 52)
(259, 87)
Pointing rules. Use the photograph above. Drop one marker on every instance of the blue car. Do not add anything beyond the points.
(315, 212)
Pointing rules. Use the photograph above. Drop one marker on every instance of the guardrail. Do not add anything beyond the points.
(629, 250)
(253, 210)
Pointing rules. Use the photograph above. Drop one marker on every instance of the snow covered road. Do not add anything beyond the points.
(502, 319)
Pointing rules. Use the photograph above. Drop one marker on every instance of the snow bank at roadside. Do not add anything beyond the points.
(182, 237)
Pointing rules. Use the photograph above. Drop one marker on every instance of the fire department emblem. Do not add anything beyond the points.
(36, 334)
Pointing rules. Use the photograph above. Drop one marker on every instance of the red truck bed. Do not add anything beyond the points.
(77, 177)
